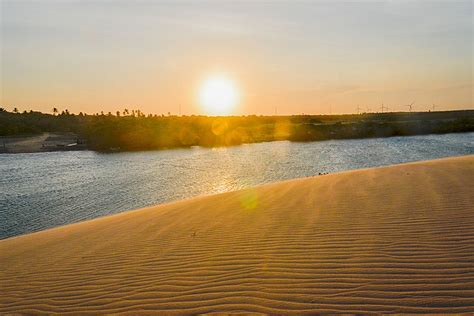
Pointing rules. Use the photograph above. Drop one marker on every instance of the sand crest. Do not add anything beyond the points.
(394, 239)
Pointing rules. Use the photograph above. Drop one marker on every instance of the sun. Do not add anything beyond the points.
(218, 95)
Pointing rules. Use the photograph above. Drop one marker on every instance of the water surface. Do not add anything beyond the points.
(43, 190)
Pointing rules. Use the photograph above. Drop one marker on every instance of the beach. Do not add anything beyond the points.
(397, 239)
(43, 142)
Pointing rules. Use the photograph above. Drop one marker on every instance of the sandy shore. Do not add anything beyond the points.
(394, 239)
(41, 143)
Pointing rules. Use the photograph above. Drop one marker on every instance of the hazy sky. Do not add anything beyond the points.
(301, 57)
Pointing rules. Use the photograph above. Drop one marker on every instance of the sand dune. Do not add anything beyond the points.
(396, 239)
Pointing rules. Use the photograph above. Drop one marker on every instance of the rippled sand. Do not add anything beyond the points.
(394, 239)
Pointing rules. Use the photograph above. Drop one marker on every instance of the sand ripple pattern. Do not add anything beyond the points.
(397, 239)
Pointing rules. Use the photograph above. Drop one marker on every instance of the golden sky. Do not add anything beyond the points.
(290, 57)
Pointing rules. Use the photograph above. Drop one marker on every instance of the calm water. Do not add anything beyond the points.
(43, 190)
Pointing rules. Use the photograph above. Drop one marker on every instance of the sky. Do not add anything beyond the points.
(284, 57)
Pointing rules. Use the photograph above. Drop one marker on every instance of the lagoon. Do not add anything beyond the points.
(44, 190)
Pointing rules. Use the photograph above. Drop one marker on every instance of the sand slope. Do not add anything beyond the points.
(395, 239)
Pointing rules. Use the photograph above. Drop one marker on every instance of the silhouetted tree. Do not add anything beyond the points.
(171, 131)
(15, 110)
(55, 111)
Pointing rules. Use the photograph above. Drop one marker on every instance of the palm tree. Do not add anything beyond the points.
(118, 113)
(125, 112)
(55, 111)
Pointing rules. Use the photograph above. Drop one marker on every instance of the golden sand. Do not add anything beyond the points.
(393, 239)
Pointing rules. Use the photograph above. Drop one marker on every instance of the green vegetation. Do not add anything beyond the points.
(132, 130)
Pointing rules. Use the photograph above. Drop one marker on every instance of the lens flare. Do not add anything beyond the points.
(249, 199)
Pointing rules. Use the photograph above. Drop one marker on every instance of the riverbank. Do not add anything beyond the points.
(393, 239)
(115, 133)
(44, 142)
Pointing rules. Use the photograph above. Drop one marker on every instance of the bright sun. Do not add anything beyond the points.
(218, 95)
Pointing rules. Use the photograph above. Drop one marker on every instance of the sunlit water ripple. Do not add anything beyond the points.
(43, 190)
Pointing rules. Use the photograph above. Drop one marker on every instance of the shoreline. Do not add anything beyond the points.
(375, 240)
(116, 133)
(32, 143)
(38, 143)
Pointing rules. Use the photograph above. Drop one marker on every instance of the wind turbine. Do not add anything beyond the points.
(383, 107)
(410, 106)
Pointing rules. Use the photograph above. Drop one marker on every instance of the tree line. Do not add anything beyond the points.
(131, 129)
